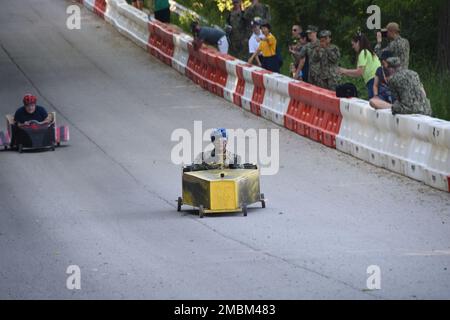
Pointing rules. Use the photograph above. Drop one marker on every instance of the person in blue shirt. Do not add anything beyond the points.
(30, 112)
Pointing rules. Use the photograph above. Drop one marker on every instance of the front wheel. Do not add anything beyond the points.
(201, 212)
(244, 210)
(180, 203)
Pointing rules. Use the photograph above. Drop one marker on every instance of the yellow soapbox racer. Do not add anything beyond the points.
(213, 189)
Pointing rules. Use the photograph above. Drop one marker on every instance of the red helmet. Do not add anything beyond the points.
(29, 99)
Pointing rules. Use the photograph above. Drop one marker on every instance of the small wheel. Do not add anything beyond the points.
(201, 212)
(263, 201)
(244, 210)
(180, 203)
(20, 148)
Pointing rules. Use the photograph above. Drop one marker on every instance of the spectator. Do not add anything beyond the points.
(297, 73)
(162, 10)
(407, 89)
(257, 10)
(306, 55)
(210, 36)
(327, 56)
(397, 45)
(295, 47)
(368, 63)
(253, 42)
(238, 34)
(381, 88)
(268, 49)
(139, 4)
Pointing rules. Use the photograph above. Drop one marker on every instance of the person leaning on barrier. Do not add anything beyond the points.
(327, 56)
(407, 89)
(210, 36)
(398, 46)
(368, 63)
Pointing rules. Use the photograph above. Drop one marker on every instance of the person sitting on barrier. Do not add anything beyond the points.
(208, 35)
(268, 49)
(381, 90)
(30, 112)
(407, 89)
(219, 155)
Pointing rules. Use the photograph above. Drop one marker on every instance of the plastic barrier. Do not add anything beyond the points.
(129, 21)
(276, 99)
(412, 145)
(160, 43)
(242, 87)
(252, 89)
(438, 162)
(100, 8)
(314, 113)
(232, 80)
(181, 54)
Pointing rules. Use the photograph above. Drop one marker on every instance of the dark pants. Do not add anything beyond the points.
(163, 15)
(271, 64)
(370, 88)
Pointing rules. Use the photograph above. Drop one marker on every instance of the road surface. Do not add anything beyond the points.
(106, 203)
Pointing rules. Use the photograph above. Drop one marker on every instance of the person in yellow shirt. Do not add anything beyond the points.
(268, 50)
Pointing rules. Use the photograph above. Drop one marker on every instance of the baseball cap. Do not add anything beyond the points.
(312, 28)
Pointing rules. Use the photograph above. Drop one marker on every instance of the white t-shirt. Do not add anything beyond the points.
(253, 44)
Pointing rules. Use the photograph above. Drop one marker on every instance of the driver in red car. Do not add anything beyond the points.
(30, 112)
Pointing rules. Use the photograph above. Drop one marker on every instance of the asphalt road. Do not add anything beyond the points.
(106, 201)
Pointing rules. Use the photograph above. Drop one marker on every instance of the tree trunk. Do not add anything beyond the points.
(444, 36)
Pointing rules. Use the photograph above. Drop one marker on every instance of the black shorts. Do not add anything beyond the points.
(163, 15)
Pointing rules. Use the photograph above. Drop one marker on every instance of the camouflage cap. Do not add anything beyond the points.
(325, 33)
(394, 62)
(312, 28)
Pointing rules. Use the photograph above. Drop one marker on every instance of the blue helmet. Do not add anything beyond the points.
(219, 132)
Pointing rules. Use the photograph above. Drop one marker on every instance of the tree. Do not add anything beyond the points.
(444, 36)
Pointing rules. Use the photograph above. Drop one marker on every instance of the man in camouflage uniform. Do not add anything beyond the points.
(256, 10)
(237, 35)
(327, 56)
(410, 96)
(398, 46)
(307, 52)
